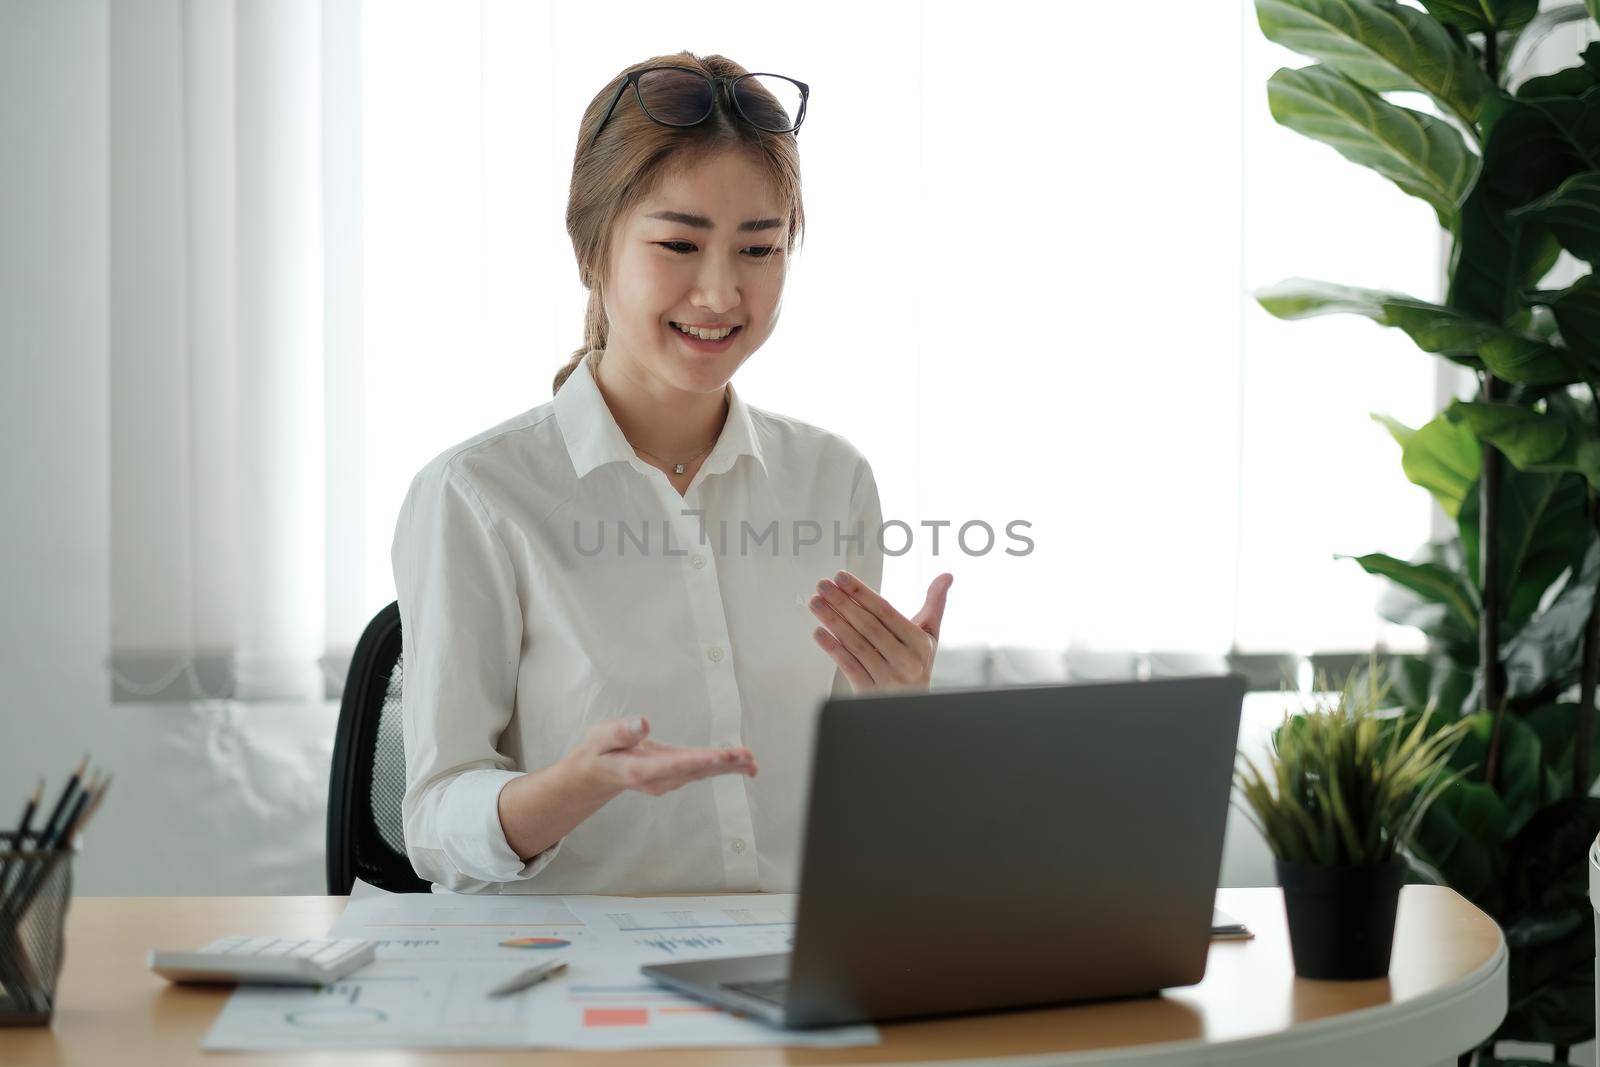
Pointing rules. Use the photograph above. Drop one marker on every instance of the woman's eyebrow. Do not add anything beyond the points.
(706, 224)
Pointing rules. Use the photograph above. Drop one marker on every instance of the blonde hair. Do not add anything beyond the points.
(630, 160)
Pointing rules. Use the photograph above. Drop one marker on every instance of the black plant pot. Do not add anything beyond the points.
(1341, 918)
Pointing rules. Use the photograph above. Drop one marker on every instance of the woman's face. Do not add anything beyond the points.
(706, 247)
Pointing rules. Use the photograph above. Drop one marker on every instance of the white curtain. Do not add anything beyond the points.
(338, 248)
(236, 410)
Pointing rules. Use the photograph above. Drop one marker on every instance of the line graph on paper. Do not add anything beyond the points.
(708, 919)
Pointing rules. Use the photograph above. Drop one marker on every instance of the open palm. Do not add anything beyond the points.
(621, 750)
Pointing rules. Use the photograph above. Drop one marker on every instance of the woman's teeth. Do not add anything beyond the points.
(705, 335)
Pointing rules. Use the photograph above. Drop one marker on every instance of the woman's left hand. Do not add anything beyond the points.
(875, 646)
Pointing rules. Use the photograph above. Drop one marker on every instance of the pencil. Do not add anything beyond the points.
(61, 801)
(15, 979)
(20, 841)
(29, 808)
(95, 797)
(59, 837)
(28, 887)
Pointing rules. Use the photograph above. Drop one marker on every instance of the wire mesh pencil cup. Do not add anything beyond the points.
(35, 887)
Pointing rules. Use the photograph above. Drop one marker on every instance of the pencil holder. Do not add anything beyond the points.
(35, 887)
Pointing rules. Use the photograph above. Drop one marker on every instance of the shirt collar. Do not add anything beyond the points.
(593, 437)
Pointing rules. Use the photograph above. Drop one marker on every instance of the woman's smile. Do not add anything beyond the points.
(696, 344)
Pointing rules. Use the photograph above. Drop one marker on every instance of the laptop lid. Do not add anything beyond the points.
(980, 848)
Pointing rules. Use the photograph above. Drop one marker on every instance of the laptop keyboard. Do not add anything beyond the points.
(772, 990)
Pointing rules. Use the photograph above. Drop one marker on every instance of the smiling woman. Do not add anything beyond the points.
(680, 285)
(540, 671)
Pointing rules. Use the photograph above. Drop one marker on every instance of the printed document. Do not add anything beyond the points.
(438, 955)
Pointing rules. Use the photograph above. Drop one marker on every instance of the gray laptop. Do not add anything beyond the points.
(976, 849)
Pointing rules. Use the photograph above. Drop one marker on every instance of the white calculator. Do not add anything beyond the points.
(266, 960)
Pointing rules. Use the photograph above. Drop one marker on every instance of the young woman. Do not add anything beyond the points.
(643, 582)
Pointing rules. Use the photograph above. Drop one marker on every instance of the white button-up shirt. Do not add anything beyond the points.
(549, 579)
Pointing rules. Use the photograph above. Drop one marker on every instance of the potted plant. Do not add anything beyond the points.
(1343, 789)
(1507, 598)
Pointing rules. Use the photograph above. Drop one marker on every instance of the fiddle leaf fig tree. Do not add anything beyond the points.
(1508, 601)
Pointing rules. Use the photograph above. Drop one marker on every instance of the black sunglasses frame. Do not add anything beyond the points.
(717, 82)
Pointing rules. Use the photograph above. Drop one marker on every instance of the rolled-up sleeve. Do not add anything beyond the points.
(461, 641)
(865, 562)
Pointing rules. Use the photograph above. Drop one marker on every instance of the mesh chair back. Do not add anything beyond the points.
(368, 779)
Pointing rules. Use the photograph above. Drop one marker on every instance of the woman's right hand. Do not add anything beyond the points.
(618, 755)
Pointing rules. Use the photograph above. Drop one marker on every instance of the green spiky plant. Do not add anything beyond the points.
(1508, 601)
(1343, 786)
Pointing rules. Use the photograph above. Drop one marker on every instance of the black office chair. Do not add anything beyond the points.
(365, 838)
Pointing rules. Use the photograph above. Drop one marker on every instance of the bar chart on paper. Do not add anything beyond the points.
(689, 928)
(701, 920)
(751, 943)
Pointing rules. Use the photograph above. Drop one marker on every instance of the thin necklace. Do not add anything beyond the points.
(678, 467)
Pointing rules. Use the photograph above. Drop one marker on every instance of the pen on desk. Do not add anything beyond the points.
(531, 976)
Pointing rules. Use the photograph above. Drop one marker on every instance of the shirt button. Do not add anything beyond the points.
(714, 653)
(737, 844)
(697, 561)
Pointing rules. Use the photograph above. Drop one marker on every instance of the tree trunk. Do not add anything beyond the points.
(1489, 580)
(1591, 670)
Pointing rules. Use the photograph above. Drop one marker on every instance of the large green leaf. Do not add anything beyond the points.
(1527, 155)
(1542, 533)
(1478, 16)
(1549, 926)
(1447, 630)
(1577, 312)
(1521, 770)
(1534, 441)
(1457, 335)
(1550, 989)
(1574, 81)
(1572, 213)
(1428, 681)
(1461, 837)
(1423, 155)
(1299, 298)
(1546, 654)
(1521, 788)
(1428, 580)
(1382, 45)
(1442, 456)
(1577, 120)
(1557, 727)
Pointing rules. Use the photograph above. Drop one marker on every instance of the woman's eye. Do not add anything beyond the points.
(683, 248)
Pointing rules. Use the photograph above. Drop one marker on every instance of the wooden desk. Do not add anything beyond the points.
(1446, 991)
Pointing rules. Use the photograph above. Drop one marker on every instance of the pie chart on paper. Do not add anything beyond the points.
(535, 942)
